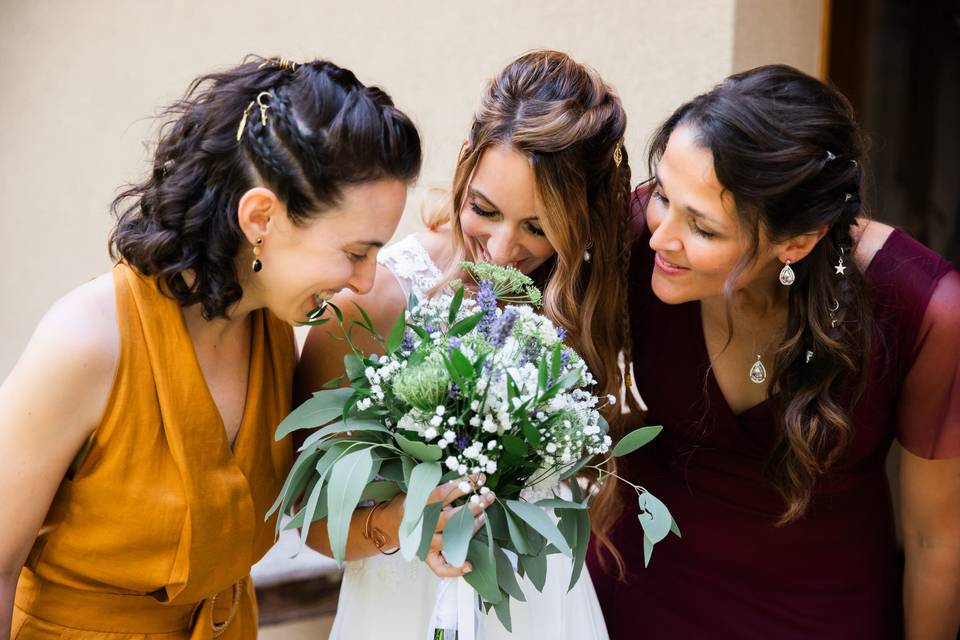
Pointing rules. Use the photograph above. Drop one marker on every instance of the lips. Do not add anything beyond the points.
(668, 267)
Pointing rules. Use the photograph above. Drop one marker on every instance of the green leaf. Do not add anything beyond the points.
(396, 333)
(483, 578)
(535, 568)
(573, 469)
(456, 536)
(353, 366)
(529, 431)
(498, 522)
(393, 470)
(332, 384)
(647, 550)
(518, 533)
(379, 491)
(502, 609)
(654, 517)
(462, 364)
(347, 479)
(423, 480)
(466, 325)
(323, 407)
(538, 519)
(427, 526)
(455, 305)
(294, 484)
(557, 503)
(506, 576)
(556, 361)
(542, 375)
(674, 528)
(635, 439)
(514, 445)
(366, 324)
(308, 511)
(366, 424)
(419, 450)
(580, 550)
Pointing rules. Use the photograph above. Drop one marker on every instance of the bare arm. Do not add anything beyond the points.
(49, 405)
(930, 507)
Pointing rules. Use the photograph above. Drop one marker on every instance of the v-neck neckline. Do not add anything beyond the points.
(253, 362)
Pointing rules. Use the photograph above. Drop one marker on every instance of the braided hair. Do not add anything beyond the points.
(788, 148)
(321, 131)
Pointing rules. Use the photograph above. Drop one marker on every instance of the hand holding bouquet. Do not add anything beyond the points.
(466, 390)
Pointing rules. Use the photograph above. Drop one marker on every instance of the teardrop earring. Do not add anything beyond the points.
(787, 276)
(257, 264)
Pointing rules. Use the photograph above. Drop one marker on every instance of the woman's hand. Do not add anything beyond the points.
(447, 494)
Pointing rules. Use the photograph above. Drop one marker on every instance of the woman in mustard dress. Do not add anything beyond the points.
(138, 424)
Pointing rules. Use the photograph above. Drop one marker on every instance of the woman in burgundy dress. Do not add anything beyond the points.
(784, 342)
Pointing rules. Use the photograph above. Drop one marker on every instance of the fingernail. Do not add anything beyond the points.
(468, 568)
(481, 518)
(490, 497)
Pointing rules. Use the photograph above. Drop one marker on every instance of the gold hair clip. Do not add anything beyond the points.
(283, 63)
(246, 112)
(618, 154)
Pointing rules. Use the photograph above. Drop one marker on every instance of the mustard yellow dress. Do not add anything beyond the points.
(154, 534)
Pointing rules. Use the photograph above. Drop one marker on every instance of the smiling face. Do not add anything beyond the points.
(304, 263)
(502, 213)
(695, 230)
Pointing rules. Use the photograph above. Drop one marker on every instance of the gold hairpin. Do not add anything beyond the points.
(246, 112)
(618, 154)
(283, 63)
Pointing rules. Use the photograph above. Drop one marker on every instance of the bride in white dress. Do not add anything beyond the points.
(542, 184)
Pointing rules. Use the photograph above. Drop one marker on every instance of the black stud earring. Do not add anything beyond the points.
(257, 264)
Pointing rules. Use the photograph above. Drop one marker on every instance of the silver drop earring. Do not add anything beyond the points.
(758, 372)
(787, 276)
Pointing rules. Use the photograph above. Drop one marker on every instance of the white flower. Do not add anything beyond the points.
(464, 487)
(491, 445)
(612, 399)
(442, 443)
(436, 421)
(462, 469)
(429, 434)
(451, 420)
(452, 463)
(551, 448)
(441, 410)
(492, 466)
(369, 372)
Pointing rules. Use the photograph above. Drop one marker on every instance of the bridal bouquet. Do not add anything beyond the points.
(464, 387)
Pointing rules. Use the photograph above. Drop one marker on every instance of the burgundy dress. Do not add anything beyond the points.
(832, 574)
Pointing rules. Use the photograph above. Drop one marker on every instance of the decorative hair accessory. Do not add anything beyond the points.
(831, 156)
(848, 197)
(257, 265)
(833, 311)
(809, 357)
(246, 112)
(618, 154)
(841, 268)
(787, 276)
(283, 63)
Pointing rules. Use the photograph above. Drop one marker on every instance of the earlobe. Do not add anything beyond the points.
(254, 211)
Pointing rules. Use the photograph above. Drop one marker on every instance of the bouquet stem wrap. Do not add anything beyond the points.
(456, 612)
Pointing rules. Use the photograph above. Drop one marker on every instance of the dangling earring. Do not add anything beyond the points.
(787, 276)
(586, 256)
(841, 268)
(257, 265)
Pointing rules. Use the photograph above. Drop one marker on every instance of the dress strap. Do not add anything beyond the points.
(410, 263)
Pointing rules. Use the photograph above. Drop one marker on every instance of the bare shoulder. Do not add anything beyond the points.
(439, 245)
(869, 236)
(69, 362)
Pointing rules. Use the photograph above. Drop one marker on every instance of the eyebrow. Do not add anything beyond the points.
(479, 194)
(696, 212)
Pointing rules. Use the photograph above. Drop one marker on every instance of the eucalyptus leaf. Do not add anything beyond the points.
(506, 576)
(580, 551)
(427, 526)
(538, 519)
(294, 484)
(573, 469)
(423, 480)
(654, 517)
(419, 450)
(647, 550)
(310, 508)
(483, 577)
(635, 439)
(535, 568)
(317, 411)
(347, 480)
(502, 609)
(558, 503)
(674, 528)
(456, 536)
(379, 491)
(518, 533)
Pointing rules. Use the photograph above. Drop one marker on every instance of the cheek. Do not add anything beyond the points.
(471, 224)
(540, 248)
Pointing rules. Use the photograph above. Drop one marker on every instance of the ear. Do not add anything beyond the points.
(254, 212)
(799, 247)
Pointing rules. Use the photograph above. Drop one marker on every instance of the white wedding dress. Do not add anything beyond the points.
(387, 597)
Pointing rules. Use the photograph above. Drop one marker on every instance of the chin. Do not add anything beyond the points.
(669, 293)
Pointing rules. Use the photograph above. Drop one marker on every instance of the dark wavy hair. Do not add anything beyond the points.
(788, 148)
(324, 131)
(570, 124)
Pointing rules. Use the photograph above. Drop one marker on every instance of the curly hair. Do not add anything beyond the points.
(788, 148)
(325, 131)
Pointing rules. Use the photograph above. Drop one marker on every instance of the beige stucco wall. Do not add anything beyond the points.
(79, 81)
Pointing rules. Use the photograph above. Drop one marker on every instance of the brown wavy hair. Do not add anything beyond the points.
(324, 131)
(568, 122)
(788, 148)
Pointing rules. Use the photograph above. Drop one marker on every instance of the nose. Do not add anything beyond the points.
(665, 236)
(502, 245)
(363, 275)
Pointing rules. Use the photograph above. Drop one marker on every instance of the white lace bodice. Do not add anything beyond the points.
(411, 265)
